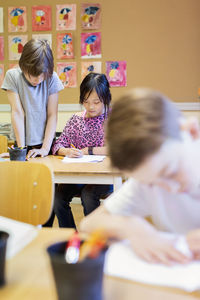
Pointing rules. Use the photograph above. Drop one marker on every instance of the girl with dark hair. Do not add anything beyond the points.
(32, 92)
(85, 131)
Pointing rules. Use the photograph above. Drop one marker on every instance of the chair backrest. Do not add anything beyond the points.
(3, 144)
(26, 191)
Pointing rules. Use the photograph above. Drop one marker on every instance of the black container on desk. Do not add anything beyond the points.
(18, 153)
(79, 281)
(3, 243)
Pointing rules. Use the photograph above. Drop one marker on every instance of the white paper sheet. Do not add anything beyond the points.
(84, 159)
(20, 234)
(122, 262)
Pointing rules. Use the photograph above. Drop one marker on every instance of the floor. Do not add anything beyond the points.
(77, 211)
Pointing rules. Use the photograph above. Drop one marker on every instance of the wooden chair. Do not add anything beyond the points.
(3, 144)
(26, 191)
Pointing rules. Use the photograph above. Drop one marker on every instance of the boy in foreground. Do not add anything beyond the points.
(160, 153)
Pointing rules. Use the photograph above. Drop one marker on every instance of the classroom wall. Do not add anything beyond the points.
(159, 39)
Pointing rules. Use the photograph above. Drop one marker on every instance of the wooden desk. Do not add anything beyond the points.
(88, 173)
(29, 276)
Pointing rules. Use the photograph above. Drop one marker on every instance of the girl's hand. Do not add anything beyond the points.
(37, 152)
(149, 245)
(193, 240)
(74, 152)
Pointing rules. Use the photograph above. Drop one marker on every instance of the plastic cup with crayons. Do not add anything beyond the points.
(78, 267)
(17, 153)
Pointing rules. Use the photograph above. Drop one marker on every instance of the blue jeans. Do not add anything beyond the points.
(90, 197)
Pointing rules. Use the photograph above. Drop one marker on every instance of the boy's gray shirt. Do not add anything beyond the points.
(34, 101)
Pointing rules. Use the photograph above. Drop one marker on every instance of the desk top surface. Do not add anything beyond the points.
(29, 276)
(58, 166)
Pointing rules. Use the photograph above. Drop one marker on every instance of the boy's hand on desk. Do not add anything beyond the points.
(37, 152)
(149, 245)
(193, 240)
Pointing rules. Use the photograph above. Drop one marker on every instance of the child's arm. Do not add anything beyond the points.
(52, 111)
(144, 238)
(17, 117)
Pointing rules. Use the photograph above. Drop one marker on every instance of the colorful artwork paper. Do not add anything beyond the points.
(1, 74)
(66, 17)
(64, 46)
(44, 36)
(90, 66)
(17, 19)
(91, 45)
(1, 48)
(67, 74)
(116, 73)
(41, 18)
(16, 44)
(1, 19)
(91, 15)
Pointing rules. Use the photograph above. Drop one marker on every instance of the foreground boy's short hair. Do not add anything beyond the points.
(139, 123)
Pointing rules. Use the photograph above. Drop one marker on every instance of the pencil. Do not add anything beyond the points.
(72, 146)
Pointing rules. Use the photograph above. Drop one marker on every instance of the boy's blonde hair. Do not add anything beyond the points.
(139, 123)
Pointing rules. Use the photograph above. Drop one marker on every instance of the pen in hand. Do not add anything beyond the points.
(72, 146)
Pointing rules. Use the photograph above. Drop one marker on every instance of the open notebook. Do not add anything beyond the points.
(20, 234)
(122, 262)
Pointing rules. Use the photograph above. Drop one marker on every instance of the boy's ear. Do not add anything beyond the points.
(191, 125)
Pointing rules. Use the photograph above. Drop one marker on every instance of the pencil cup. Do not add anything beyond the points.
(79, 281)
(18, 154)
(3, 242)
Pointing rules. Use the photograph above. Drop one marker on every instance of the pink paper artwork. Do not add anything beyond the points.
(116, 73)
(66, 17)
(1, 74)
(64, 46)
(17, 19)
(91, 45)
(1, 48)
(41, 18)
(16, 45)
(67, 74)
(90, 15)
(90, 66)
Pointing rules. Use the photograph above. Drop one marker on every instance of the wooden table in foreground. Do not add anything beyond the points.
(86, 173)
(29, 276)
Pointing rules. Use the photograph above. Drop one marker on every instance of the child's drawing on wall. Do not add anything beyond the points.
(90, 15)
(1, 19)
(41, 18)
(90, 66)
(116, 73)
(17, 19)
(16, 45)
(67, 74)
(1, 73)
(91, 45)
(64, 46)
(66, 17)
(43, 36)
(1, 48)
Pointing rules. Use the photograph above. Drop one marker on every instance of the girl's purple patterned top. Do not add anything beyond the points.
(81, 132)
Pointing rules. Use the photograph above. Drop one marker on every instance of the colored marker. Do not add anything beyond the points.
(72, 249)
(92, 247)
